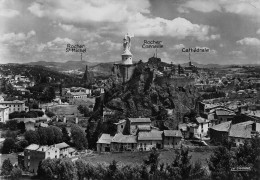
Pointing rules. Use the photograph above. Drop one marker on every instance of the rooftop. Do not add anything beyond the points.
(182, 127)
(105, 139)
(62, 145)
(32, 147)
(153, 135)
(224, 127)
(120, 138)
(172, 133)
(140, 120)
(77, 93)
(120, 122)
(144, 127)
(12, 102)
(3, 107)
(224, 112)
(240, 131)
(201, 120)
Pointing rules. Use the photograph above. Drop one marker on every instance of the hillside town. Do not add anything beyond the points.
(130, 90)
(79, 121)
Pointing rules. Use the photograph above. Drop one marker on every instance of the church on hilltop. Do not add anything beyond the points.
(123, 71)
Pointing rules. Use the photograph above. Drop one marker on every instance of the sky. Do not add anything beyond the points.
(39, 30)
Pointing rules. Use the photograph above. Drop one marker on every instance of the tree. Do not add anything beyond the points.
(57, 134)
(32, 137)
(47, 169)
(21, 126)
(7, 167)
(198, 172)
(16, 173)
(220, 164)
(8, 146)
(81, 168)
(43, 136)
(153, 161)
(21, 145)
(182, 161)
(12, 124)
(31, 114)
(248, 155)
(66, 169)
(65, 135)
(49, 114)
(112, 171)
(10, 134)
(35, 106)
(79, 137)
(84, 110)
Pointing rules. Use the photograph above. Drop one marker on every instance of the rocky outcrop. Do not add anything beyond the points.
(142, 96)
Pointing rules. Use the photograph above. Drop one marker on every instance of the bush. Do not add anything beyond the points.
(8, 146)
(7, 167)
(12, 124)
(49, 114)
(16, 173)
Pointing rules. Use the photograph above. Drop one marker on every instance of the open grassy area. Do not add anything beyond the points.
(64, 109)
(138, 157)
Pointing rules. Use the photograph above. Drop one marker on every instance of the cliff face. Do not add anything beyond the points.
(143, 96)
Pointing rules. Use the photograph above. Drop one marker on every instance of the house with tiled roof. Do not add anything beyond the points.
(34, 154)
(122, 142)
(172, 138)
(219, 132)
(224, 115)
(104, 142)
(149, 140)
(239, 134)
(64, 149)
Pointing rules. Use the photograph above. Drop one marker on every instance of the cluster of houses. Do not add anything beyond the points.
(142, 137)
(79, 95)
(19, 82)
(216, 123)
(238, 133)
(34, 154)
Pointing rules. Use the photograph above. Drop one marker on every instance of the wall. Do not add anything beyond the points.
(171, 142)
(120, 127)
(119, 147)
(149, 144)
(103, 147)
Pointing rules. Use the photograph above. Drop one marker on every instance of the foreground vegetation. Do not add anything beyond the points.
(220, 165)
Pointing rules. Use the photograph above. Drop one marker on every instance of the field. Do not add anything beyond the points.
(64, 109)
(138, 157)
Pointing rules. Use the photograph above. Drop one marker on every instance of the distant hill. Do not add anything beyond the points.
(218, 65)
(64, 66)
